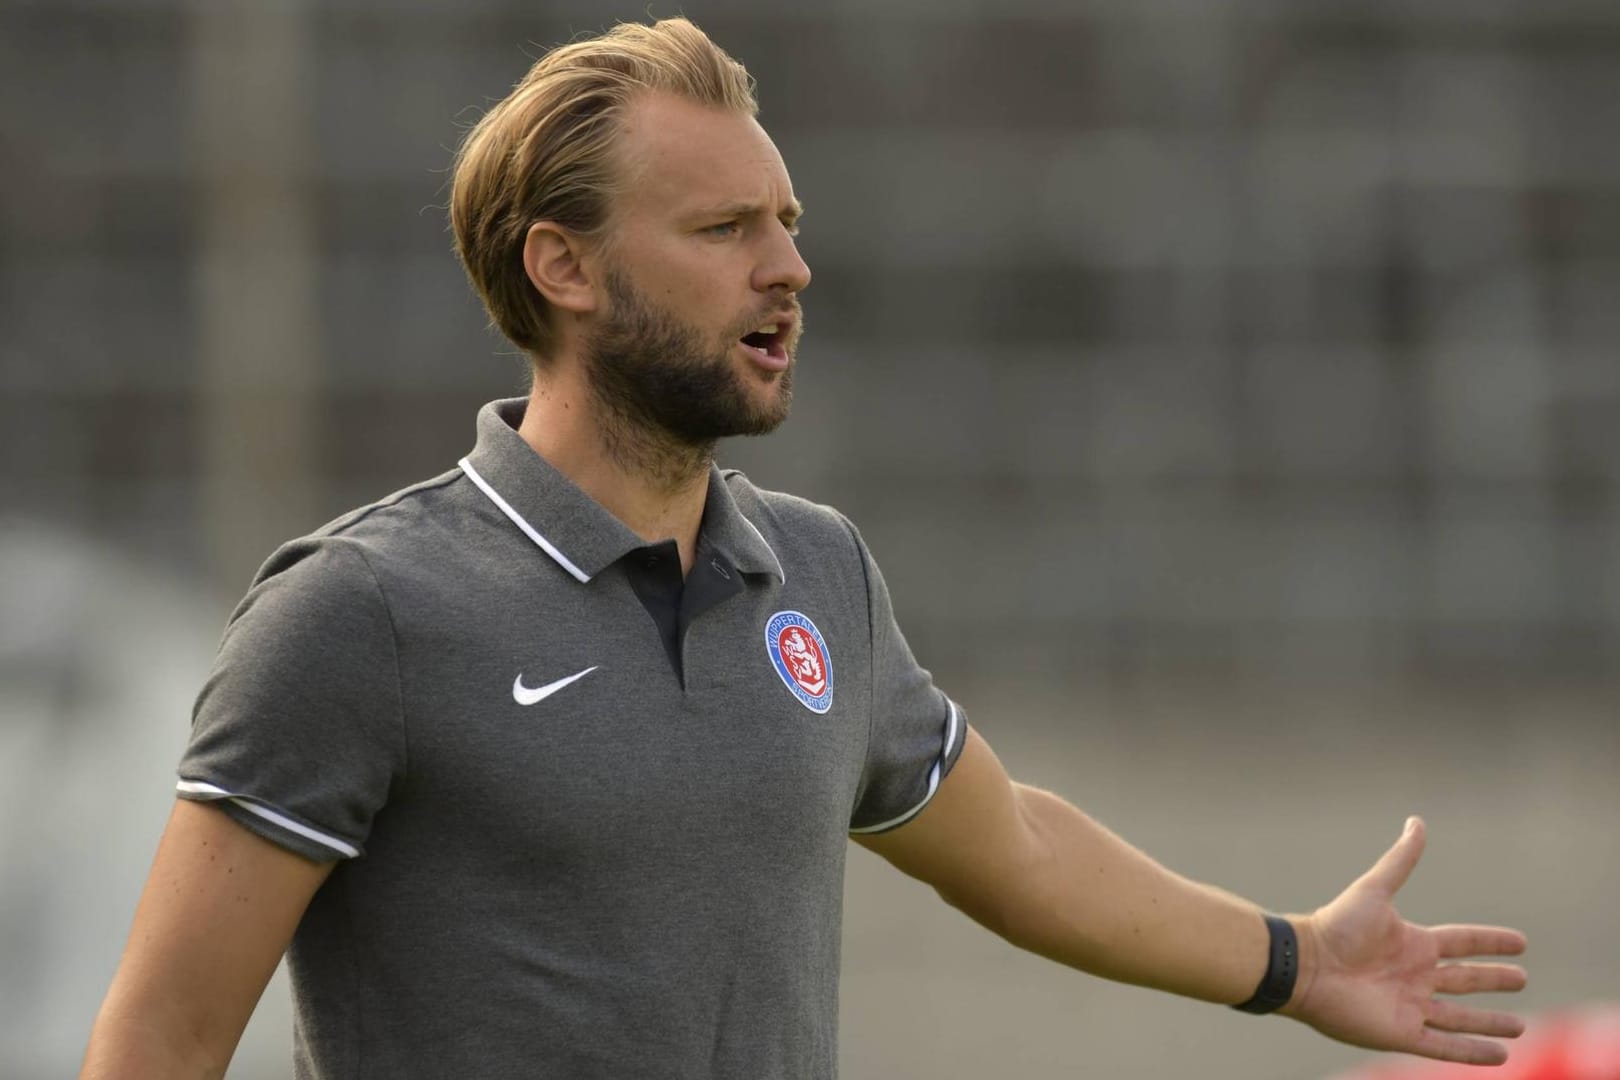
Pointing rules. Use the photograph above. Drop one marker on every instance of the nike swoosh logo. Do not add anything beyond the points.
(525, 696)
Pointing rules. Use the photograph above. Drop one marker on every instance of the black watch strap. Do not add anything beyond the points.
(1282, 969)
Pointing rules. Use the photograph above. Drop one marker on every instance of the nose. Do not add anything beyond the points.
(782, 266)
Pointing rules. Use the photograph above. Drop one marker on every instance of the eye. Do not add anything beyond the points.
(723, 229)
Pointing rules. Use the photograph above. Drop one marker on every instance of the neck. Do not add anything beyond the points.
(654, 484)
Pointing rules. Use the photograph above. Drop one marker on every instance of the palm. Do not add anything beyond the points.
(1375, 975)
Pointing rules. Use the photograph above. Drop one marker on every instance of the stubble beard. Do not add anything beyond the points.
(663, 396)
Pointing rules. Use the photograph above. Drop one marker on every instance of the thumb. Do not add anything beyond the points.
(1390, 872)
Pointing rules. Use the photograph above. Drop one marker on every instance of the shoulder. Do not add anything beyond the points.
(791, 521)
(820, 550)
(355, 549)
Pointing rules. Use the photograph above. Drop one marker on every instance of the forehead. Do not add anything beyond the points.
(681, 157)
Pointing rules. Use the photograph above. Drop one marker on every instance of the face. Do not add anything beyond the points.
(697, 330)
(653, 369)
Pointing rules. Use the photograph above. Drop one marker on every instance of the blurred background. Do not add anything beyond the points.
(1229, 389)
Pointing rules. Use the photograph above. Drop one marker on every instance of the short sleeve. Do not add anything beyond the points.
(298, 732)
(917, 732)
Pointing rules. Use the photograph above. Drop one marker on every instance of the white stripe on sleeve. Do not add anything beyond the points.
(933, 779)
(252, 806)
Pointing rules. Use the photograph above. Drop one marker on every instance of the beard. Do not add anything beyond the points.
(665, 395)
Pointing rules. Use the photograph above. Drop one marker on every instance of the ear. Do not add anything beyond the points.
(553, 258)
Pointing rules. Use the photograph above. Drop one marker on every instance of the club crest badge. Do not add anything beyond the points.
(800, 657)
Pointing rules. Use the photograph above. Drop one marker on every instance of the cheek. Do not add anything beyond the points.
(688, 283)
(684, 288)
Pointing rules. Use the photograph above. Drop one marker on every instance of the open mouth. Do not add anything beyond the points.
(769, 342)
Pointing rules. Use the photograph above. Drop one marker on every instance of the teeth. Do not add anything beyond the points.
(768, 328)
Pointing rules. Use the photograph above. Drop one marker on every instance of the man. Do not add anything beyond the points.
(547, 766)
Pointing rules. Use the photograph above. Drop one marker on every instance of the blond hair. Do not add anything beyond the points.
(545, 153)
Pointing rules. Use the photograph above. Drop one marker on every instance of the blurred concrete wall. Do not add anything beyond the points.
(1152, 343)
(1239, 333)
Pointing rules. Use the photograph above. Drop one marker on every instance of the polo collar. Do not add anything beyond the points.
(570, 526)
(729, 532)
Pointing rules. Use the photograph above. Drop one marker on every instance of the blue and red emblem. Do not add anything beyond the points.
(800, 656)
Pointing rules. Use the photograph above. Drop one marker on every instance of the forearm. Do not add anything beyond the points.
(133, 1043)
(1085, 898)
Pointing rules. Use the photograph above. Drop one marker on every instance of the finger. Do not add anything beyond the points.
(1446, 1015)
(1455, 941)
(1478, 978)
(1459, 1048)
(1390, 872)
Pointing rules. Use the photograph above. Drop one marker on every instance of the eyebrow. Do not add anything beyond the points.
(793, 211)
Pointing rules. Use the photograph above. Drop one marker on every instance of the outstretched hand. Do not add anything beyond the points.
(1369, 978)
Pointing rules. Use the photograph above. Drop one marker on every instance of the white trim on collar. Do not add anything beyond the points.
(529, 530)
(780, 576)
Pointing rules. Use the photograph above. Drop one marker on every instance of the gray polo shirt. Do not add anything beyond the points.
(591, 818)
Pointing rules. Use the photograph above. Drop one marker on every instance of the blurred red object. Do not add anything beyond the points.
(1581, 1044)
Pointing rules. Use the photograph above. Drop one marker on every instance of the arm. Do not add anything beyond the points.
(219, 908)
(1046, 877)
(1040, 873)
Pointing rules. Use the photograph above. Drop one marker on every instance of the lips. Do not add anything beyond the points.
(772, 355)
(768, 345)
